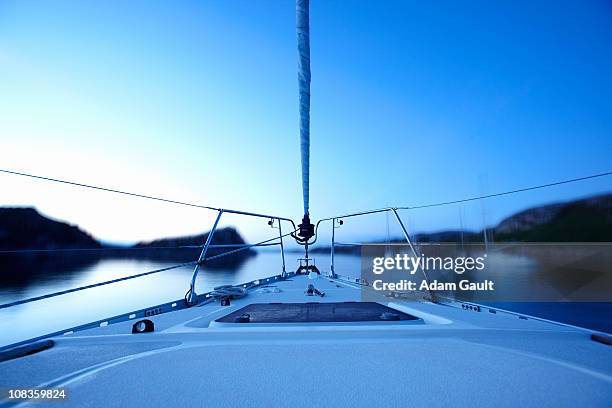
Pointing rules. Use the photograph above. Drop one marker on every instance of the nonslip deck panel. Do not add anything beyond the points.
(448, 358)
(314, 312)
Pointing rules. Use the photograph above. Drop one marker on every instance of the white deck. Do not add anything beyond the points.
(457, 358)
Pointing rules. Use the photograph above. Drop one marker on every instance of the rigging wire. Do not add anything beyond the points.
(520, 190)
(166, 200)
(261, 243)
(93, 285)
(414, 207)
(191, 288)
(192, 263)
(110, 249)
(111, 190)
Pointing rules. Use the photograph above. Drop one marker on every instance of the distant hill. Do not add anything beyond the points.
(25, 228)
(224, 236)
(585, 220)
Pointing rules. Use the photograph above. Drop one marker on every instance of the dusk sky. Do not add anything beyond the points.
(412, 102)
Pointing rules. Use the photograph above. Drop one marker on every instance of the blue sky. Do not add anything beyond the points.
(412, 102)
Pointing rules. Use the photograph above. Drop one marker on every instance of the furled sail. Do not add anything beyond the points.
(303, 40)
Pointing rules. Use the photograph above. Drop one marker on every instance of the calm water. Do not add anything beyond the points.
(59, 313)
(37, 318)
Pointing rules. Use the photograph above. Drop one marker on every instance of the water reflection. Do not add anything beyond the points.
(49, 315)
(22, 270)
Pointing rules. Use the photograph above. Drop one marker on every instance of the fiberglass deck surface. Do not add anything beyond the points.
(454, 358)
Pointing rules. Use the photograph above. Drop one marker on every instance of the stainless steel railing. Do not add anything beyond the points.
(191, 298)
(337, 221)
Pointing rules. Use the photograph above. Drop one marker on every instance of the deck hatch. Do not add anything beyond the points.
(311, 312)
